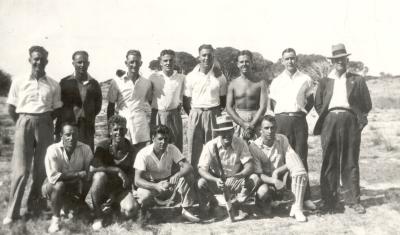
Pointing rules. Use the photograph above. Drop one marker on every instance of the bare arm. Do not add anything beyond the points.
(110, 110)
(143, 183)
(206, 175)
(186, 104)
(12, 112)
(67, 176)
(185, 169)
(263, 104)
(248, 168)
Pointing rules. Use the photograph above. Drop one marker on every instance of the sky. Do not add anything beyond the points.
(108, 29)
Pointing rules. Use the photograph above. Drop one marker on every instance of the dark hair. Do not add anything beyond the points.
(245, 52)
(288, 50)
(39, 49)
(84, 53)
(167, 52)
(133, 52)
(72, 124)
(116, 119)
(206, 46)
(161, 129)
(269, 118)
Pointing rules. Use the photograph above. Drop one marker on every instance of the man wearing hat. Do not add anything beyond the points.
(342, 101)
(237, 165)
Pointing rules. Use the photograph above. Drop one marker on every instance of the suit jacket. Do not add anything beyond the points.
(70, 97)
(357, 95)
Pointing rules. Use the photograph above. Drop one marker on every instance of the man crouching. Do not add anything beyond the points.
(67, 165)
(154, 178)
(113, 174)
(274, 158)
(232, 154)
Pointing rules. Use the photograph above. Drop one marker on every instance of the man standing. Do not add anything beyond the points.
(82, 98)
(155, 179)
(291, 95)
(131, 93)
(67, 166)
(204, 97)
(342, 101)
(113, 174)
(32, 103)
(237, 165)
(247, 97)
(274, 158)
(167, 97)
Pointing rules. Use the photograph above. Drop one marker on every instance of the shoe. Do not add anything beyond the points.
(241, 215)
(97, 224)
(358, 208)
(309, 205)
(7, 221)
(297, 214)
(55, 225)
(189, 216)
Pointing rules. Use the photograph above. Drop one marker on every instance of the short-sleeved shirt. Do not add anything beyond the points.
(104, 157)
(290, 93)
(167, 91)
(269, 158)
(339, 94)
(205, 89)
(130, 97)
(57, 162)
(35, 96)
(231, 158)
(154, 168)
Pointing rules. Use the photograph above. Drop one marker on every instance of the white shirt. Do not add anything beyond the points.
(205, 89)
(130, 97)
(155, 168)
(231, 158)
(339, 96)
(290, 93)
(167, 91)
(57, 162)
(35, 96)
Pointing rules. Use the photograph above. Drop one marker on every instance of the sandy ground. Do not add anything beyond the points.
(380, 182)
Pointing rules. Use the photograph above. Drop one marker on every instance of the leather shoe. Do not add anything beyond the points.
(189, 216)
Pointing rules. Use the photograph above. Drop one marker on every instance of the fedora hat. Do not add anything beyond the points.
(224, 123)
(339, 50)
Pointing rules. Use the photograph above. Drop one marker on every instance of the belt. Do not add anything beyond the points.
(341, 110)
(207, 109)
(36, 114)
(169, 110)
(293, 114)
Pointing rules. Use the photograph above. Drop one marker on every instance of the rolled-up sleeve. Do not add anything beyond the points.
(112, 95)
(245, 155)
(53, 167)
(205, 157)
(187, 84)
(13, 94)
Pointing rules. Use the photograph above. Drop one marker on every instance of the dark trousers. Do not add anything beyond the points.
(295, 128)
(340, 140)
(86, 132)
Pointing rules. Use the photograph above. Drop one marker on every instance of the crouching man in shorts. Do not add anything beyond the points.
(113, 174)
(274, 158)
(67, 164)
(237, 166)
(155, 180)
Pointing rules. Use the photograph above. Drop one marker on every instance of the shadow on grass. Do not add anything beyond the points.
(380, 197)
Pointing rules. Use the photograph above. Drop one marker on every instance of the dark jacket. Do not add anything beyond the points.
(70, 97)
(357, 95)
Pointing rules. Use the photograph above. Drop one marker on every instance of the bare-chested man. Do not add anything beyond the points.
(246, 98)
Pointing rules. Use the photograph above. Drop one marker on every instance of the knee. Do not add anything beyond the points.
(129, 208)
(202, 184)
(254, 180)
(59, 186)
(99, 177)
(145, 198)
(263, 193)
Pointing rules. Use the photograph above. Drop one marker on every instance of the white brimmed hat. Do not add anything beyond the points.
(338, 51)
(224, 123)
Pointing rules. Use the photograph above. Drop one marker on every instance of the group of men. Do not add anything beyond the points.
(259, 147)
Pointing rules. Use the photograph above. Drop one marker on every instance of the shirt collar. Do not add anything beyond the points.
(61, 145)
(260, 144)
(211, 72)
(89, 77)
(333, 75)
(44, 77)
(289, 75)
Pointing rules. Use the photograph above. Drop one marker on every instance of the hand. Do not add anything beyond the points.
(81, 174)
(220, 184)
(248, 133)
(124, 178)
(246, 125)
(362, 121)
(174, 179)
(162, 186)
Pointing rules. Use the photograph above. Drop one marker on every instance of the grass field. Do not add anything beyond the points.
(380, 182)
